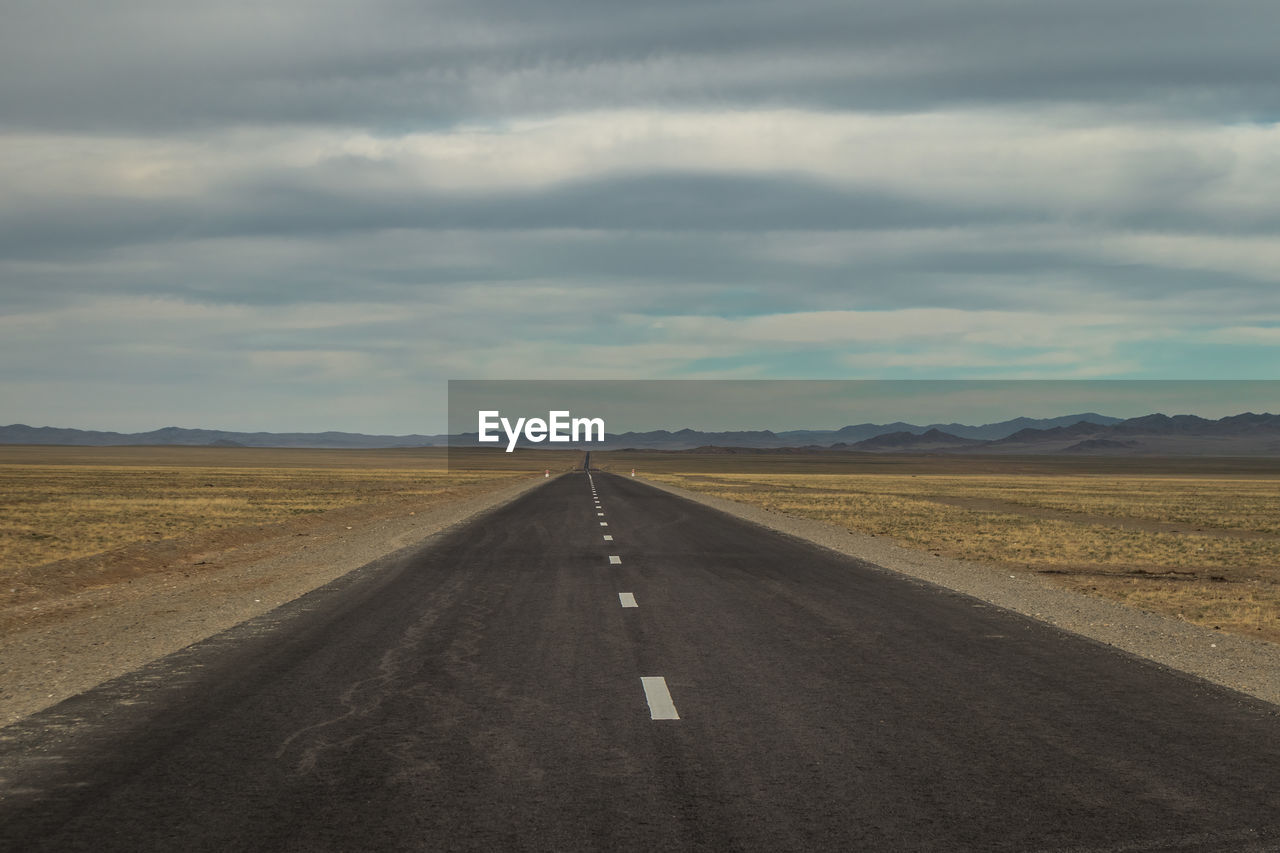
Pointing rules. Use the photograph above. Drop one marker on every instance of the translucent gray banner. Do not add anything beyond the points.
(970, 416)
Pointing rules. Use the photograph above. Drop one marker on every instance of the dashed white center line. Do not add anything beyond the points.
(615, 560)
(601, 514)
(604, 524)
(659, 698)
(627, 599)
(608, 538)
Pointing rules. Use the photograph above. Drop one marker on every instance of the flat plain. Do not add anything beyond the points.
(111, 557)
(1196, 538)
(86, 517)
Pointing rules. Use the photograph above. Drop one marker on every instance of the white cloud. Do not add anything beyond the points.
(1057, 161)
(907, 326)
(1245, 335)
(1255, 256)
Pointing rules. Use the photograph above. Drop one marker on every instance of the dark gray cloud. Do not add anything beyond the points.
(130, 65)
(651, 202)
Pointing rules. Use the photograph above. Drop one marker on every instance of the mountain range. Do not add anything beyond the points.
(1246, 434)
(657, 439)
(1090, 433)
(170, 436)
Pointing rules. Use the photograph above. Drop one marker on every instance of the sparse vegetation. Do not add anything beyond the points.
(62, 503)
(1201, 548)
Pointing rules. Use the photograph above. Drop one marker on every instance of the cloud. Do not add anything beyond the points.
(717, 173)
(1244, 335)
(290, 202)
(390, 63)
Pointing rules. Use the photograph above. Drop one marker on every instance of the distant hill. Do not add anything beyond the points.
(23, 434)
(1246, 434)
(986, 432)
(933, 439)
(690, 439)
(684, 439)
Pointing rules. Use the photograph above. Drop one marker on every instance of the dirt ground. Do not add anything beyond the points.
(69, 625)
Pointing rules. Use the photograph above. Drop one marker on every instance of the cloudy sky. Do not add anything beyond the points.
(309, 215)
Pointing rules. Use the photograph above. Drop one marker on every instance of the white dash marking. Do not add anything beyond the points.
(608, 538)
(627, 599)
(604, 524)
(615, 560)
(659, 698)
(600, 514)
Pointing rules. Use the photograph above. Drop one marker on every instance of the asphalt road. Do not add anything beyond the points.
(493, 692)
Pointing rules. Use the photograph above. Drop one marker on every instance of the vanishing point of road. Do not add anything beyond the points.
(600, 665)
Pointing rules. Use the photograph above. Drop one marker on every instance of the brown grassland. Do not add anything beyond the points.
(61, 503)
(1198, 539)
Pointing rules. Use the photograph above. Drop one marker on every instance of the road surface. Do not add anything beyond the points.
(602, 665)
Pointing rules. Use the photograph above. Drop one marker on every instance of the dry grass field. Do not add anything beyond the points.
(113, 556)
(1200, 541)
(60, 503)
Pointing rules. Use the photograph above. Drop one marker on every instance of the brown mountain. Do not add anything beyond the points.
(1246, 434)
(934, 439)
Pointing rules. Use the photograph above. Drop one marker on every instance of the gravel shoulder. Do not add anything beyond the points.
(1249, 666)
(66, 644)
